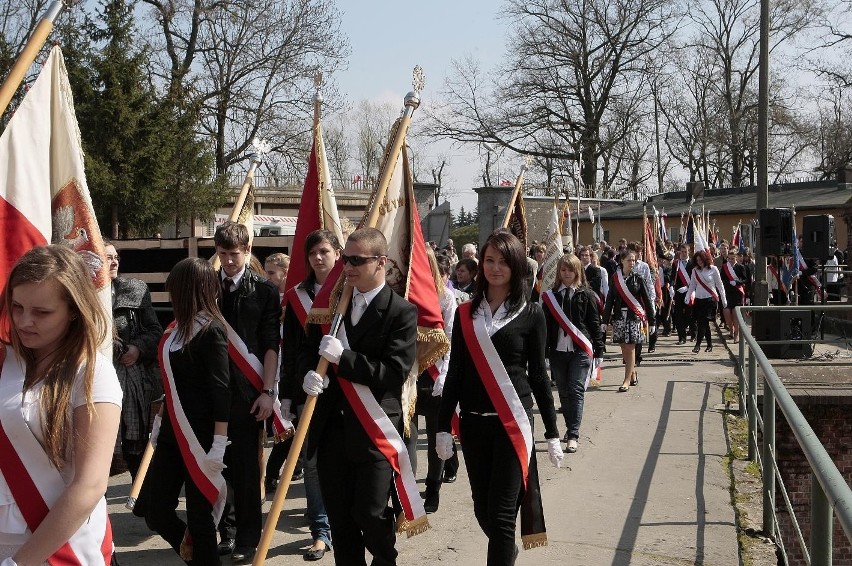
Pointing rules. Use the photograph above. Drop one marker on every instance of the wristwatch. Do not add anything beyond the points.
(270, 392)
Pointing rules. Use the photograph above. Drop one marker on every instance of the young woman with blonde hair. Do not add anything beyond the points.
(60, 404)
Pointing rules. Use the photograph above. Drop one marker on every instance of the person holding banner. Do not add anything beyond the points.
(574, 340)
(629, 309)
(322, 250)
(190, 433)
(706, 285)
(497, 366)
(356, 428)
(60, 406)
(251, 307)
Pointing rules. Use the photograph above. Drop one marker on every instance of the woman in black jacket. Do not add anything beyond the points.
(574, 340)
(629, 309)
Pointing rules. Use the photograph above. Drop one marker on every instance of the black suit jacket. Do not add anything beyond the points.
(380, 355)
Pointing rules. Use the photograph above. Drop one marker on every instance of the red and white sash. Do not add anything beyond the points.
(499, 386)
(632, 302)
(565, 323)
(734, 281)
(212, 486)
(298, 299)
(811, 279)
(774, 271)
(700, 280)
(388, 441)
(35, 484)
(252, 368)
(682, 275)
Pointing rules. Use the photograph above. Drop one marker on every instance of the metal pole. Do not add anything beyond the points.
(761, 287)
(752, 406)
(768, 469)
(822, 524)
(742, 380)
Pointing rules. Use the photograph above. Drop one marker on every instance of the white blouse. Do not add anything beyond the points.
(105, 389)
(711, 277)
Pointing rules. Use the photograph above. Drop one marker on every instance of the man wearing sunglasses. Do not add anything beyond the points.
(380, 331)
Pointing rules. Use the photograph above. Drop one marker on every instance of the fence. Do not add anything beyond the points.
(830, 495)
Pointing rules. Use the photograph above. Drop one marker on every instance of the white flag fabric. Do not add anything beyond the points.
(44, 197)
(553, 242)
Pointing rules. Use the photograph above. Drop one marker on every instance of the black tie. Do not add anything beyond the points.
(226, 284)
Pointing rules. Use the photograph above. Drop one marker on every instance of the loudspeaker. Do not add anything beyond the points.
(783, 325)
(694, 189)
(819, 239)
(776, 231)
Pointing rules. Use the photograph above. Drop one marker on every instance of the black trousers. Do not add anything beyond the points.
(242, 519)
(356, 500)
(682, 315)
(163, 483)
(428, 407)
(496, 483)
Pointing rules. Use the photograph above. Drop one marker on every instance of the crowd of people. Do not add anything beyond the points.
(241, 359)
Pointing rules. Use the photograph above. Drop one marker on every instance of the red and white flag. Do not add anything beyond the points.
(44, 197)
(317, 209)
(553, 241)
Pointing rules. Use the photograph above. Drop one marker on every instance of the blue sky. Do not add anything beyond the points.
(389, 38)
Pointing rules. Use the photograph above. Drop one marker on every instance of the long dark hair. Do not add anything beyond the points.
(512, 250)
(193, 287)
(314, 238)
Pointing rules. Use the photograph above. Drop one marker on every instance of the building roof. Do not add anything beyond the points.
(804, 196)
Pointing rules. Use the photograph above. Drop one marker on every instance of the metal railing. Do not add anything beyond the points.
(831, 496)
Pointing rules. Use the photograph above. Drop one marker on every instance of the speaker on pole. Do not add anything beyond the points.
(776, 231)
(819, 239)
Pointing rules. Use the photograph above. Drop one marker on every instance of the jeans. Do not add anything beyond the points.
(569, 370)
(315, 511)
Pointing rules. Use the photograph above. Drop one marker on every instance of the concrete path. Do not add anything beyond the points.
(646, 487)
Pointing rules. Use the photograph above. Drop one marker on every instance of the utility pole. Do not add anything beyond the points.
(761, 287)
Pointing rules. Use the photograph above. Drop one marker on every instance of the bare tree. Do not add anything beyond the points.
(729, 31)
(18, 19)
(337, 151)
(372, 122)
(567, 62)
(248, 66)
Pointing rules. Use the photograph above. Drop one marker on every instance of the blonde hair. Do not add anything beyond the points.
(573, 263)
(436, 271)
(87, 330)
(281, 260)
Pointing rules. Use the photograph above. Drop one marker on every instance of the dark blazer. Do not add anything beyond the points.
(582, 310)
(675, 282)
(637, 288)
(381, 354)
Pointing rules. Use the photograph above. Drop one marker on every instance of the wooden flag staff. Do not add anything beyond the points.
(412, 101)
(29, 54)
(519, 182)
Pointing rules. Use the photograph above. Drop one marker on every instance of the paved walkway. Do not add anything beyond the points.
(647, 486)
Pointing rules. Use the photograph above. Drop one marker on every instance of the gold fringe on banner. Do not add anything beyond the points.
(412, 528)
(534, 541)
(325, 315)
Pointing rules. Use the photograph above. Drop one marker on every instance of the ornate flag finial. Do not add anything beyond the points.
(418, 79)
(261, 148)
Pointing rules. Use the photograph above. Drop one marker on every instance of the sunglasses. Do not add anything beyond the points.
(357, 260)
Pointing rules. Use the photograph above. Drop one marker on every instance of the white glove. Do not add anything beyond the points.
(8, 562)
(444, 445)
(285, 410)
(155, 433)
(314, 383)
(214, 460)
(748, 302)
(438, 388)
(554, 451)
(683, 289)
(651, 329)
(331, 348)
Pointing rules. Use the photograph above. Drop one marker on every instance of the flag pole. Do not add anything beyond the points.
(412, 101)
(519, 182)
(29, 54)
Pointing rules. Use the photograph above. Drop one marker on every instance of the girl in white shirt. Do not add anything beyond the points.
(706, 284)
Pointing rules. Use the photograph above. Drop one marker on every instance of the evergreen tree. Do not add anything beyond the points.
(461, 218)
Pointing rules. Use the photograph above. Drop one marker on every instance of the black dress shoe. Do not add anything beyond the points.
(312, 555)
(708, 349)
(449, 478)
(696, 349)
(652, 350)
(681, 342)
(226, 546)
(298, 474)
(270, 484)
(242, 555)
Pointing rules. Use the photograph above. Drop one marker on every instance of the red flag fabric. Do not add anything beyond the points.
(651, 257)
(317, 209)
(43, 193)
